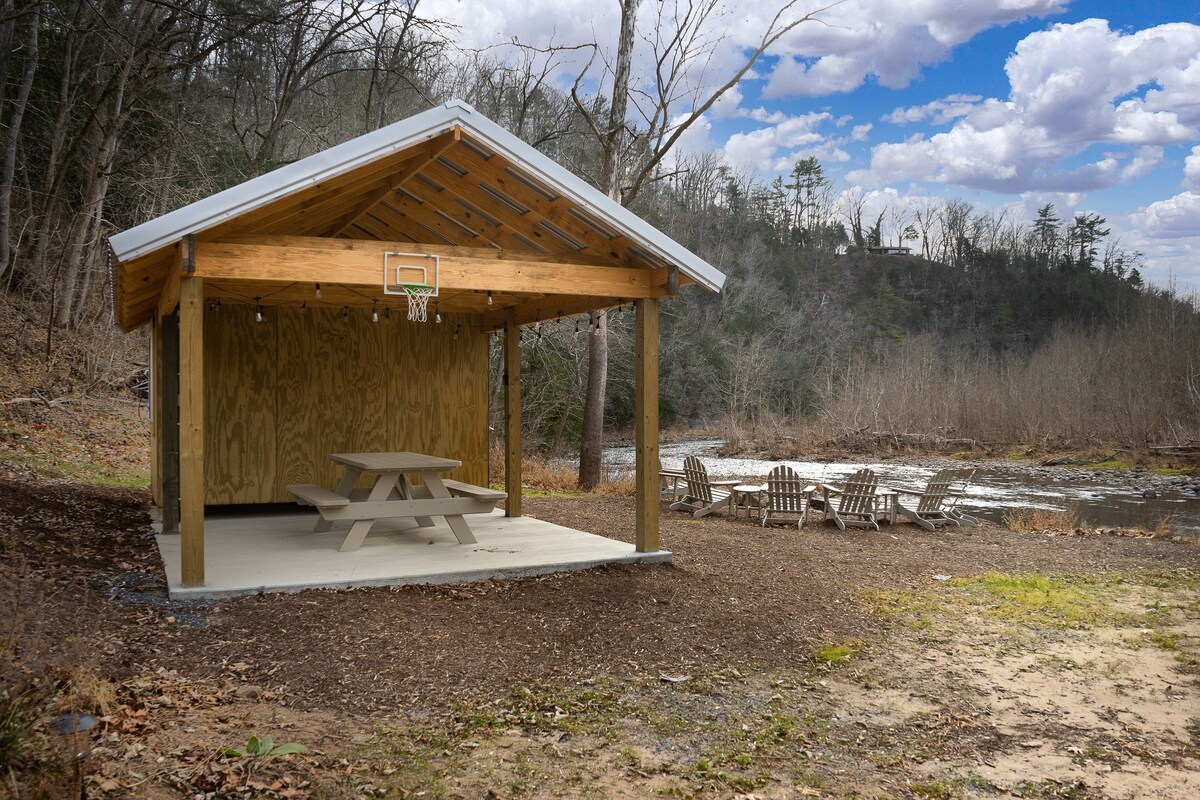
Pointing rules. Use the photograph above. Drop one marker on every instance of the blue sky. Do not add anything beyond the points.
(1009, 104)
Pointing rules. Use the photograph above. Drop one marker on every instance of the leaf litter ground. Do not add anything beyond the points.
(696, 679)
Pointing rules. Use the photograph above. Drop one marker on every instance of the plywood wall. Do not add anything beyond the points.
(283, 394)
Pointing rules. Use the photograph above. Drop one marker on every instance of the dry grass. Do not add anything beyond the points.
(553, 477)
(1034, 520)
(1165, 527)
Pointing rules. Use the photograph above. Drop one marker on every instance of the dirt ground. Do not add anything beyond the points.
(762, 663)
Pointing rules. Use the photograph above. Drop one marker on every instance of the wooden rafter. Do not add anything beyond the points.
(526, 224)
(494, 170)
(432, 149)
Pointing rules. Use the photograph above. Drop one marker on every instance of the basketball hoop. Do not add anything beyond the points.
(414, 275)
(418, 295)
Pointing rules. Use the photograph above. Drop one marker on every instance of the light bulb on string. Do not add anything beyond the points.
(258, 310)
(374, 310)
(318, 291)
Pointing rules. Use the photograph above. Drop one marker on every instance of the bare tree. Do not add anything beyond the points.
(12, 120)
(681, 42)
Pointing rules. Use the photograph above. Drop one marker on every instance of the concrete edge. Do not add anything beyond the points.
(176, 592)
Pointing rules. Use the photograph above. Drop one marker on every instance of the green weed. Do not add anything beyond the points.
(1059, 601)
(833, 654)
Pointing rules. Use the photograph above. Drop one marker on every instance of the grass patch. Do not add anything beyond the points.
(936, 790)
(1060, 601)
(834, 654)
(913, 608)
(1176, 470)
(1068, 601)
(1017, 455)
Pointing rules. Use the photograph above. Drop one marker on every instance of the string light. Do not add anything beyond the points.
(374, 310)
(437, 315)
(318, 291)
(489, 297)
(258, 310)
(387, 313)
(304, 306)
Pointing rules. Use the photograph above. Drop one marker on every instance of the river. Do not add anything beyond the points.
(1102, 498)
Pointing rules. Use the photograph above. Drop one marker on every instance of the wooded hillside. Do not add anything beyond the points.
(116, 111)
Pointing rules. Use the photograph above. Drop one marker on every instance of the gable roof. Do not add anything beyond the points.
(446, 176)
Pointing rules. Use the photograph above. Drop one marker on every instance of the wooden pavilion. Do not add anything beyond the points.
(275, 328)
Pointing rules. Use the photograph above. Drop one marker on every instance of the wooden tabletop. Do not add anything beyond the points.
(396, 462)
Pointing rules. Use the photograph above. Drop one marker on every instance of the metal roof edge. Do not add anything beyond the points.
(246, 196)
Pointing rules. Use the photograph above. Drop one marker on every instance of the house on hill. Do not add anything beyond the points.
(280, 315)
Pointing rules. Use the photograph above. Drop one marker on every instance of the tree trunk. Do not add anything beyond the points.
(591, 445)
(11, 133)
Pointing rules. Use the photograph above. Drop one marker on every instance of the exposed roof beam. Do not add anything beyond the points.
(360, 263)
(428, 153)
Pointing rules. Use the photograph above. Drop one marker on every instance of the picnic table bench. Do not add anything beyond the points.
(395, 495)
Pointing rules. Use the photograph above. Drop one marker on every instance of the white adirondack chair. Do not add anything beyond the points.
(703, 496)
(856, 503)
(787, 498)
(937, 504)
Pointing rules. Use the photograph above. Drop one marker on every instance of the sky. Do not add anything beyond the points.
(1092, 105)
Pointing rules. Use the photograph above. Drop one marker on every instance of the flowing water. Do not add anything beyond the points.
(1103, 498)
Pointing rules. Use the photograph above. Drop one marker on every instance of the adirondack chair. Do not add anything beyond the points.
(856, 503)
(668, 482)
(936, 505)
(703, 496)
(787, 498)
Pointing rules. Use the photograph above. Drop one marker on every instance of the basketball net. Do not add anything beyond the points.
(418, 301)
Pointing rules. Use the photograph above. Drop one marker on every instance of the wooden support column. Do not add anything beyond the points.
(646, 422)
(191, 428)
(166, 410)
(155, 417)
(512, 415)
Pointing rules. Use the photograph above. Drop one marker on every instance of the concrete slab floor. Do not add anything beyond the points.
(274, 551)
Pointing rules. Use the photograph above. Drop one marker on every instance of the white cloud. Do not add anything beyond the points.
(827, 75)
(1191, 170)
(885, 40)
(758, 149)
(939, 112)
(1175, 218)
(1072, 87)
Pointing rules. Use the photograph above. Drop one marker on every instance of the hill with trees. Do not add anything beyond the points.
(995, 328)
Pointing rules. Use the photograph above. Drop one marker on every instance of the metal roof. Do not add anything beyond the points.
(203, 214)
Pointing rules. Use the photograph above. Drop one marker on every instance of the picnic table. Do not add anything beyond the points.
(394, 494)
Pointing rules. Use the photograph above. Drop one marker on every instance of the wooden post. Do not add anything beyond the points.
(155, 416)
(646, 422)
(512, 415)
(191, 428)
(166, 407)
